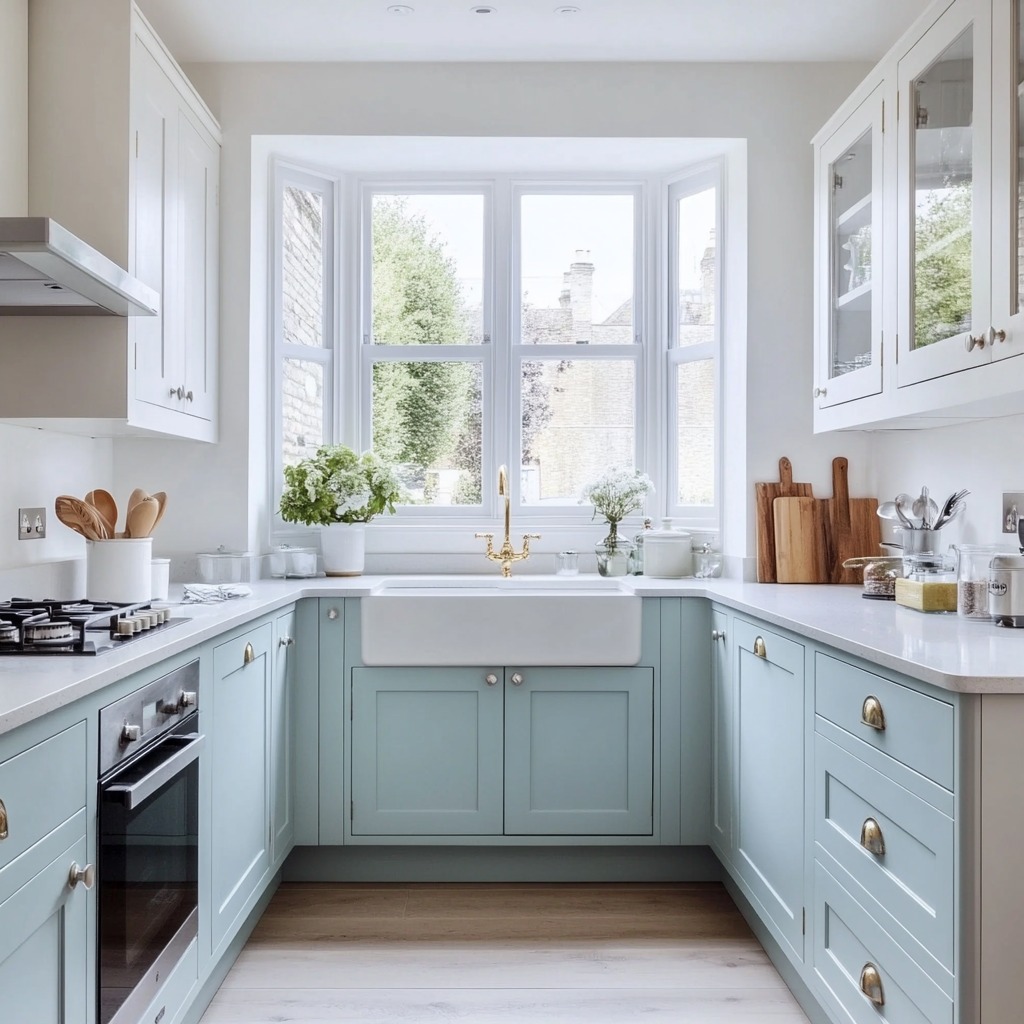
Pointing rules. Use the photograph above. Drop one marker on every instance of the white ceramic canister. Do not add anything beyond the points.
(161, 570)
(119, 571)
(668, 553)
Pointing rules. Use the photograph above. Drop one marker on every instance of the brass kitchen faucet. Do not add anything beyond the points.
(507, 554)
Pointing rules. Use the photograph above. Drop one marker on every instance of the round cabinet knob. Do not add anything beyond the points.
(286, 641)
(972, 342)
(4, 831)
(820, 392)
(188, 396)
(491, 679)
(871, 713)
(759, 648)
(187, 699)
(871, 984)
(130, 734)
(517, 679)
(871, 837)
(82, 876)
(249, 655)
(718, 634)
(998, 335)
(332, 613)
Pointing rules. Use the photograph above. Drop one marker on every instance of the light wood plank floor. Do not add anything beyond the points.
(495, 954)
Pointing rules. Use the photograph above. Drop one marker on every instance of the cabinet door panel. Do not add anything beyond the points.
(579, 751)
(770, 774)
(239, 759)
(281, 748)
(43, 947)
(723, 740)
(426, 751)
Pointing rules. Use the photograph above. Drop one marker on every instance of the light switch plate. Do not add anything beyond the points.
(31, 523)
(1013, 509)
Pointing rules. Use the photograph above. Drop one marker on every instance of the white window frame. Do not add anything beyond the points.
(284, 175)
(694, 180)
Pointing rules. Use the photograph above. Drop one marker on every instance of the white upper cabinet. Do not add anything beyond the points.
(124, 153)
(946, 285)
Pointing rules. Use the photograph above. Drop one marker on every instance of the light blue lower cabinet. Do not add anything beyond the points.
(44, 942)
(723, 739)
(427, 751)
(282, 744)
(579, 751)
(768, 671)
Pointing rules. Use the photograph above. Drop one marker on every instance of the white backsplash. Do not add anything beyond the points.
(37, 466)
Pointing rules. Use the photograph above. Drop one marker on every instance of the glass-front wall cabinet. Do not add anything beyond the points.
(850, 299)
(946, 213)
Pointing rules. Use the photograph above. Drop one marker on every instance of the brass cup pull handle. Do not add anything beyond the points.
(491, 679)
(759, 648)
(4, 831)
(249, 655)
(871, 837)
(871, 713)
(81, 876)
(517, 679)
(871, 984)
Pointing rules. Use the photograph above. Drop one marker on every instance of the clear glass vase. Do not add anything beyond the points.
(614, 553)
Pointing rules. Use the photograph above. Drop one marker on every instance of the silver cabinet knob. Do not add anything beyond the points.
(718, 634)
(820, 392)
(332, 613)
(491, 679)
(81, 876)
(130, 734)
(286, 641)
(187, 699)
(188, 396)
(972, 342)
(517, 679)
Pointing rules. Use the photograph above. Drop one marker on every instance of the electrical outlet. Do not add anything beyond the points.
(31, 523)
(1013, 509)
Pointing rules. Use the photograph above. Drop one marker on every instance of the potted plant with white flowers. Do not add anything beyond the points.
(340, 491)
(615, 495)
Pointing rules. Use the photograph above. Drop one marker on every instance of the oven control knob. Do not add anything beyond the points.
(130, 733)
(85, 876)
(187, 699)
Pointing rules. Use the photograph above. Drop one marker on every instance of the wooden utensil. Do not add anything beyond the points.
(105, 505)
(80, 517)
(141, 517)
(161, 498)
(765, 495)
(853, 525)
(801, 540)
(135, 497)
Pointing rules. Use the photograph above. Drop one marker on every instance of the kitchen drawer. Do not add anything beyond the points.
(41, 788)
(917, 730)
(171, 1000)
(846, 942)
(909, 873)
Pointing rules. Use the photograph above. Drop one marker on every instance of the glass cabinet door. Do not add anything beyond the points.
(849, 301)
(945, 212)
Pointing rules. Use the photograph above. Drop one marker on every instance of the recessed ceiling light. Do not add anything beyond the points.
(401, 10)
(484, 10)
(567, 10)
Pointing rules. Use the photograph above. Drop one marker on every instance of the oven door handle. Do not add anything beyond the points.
(139, 792)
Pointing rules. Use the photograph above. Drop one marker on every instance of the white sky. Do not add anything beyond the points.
(553, 228)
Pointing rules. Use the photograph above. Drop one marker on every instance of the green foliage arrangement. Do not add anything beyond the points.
(337, 485)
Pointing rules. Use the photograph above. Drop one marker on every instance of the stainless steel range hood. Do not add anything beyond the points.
(47, 271)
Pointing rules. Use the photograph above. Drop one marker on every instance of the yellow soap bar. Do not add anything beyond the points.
(926, 597)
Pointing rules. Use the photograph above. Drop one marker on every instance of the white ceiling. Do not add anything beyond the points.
(530, 30)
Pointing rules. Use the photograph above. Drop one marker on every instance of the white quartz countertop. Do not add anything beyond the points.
(956, 654)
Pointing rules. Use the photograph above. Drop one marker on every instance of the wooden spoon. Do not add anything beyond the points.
(80, 517)
(161, 497)
(141, 517)
(102, 510)
(135, 497)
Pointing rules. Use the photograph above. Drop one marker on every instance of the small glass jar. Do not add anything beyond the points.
(614, 555)
(637, 564)
(567, 563)
(707, 564)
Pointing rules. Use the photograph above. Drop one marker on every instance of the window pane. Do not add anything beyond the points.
(302, 409)
(578, 422)
(695, 411)
(696, 259)
(427, 420)
(428, 269)
(302, 267)
(576, 269)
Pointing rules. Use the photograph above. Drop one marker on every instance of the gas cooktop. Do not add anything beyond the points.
(76, 627)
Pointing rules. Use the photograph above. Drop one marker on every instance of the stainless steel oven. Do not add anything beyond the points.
(148, 870)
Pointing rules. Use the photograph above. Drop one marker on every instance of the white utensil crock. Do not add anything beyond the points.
(119, 571)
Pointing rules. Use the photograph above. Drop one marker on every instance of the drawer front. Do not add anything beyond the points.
(40, 788)
(848, 945)
(897, 846)
(910, 726)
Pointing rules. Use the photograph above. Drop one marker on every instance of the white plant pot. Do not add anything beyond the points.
(344, 548)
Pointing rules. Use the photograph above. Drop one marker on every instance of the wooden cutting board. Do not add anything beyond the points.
(765, 495)
(801, 540)
(853, 526)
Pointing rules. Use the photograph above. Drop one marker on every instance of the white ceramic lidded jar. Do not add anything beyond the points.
(668, 553)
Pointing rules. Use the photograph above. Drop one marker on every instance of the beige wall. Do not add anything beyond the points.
(13, 108)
